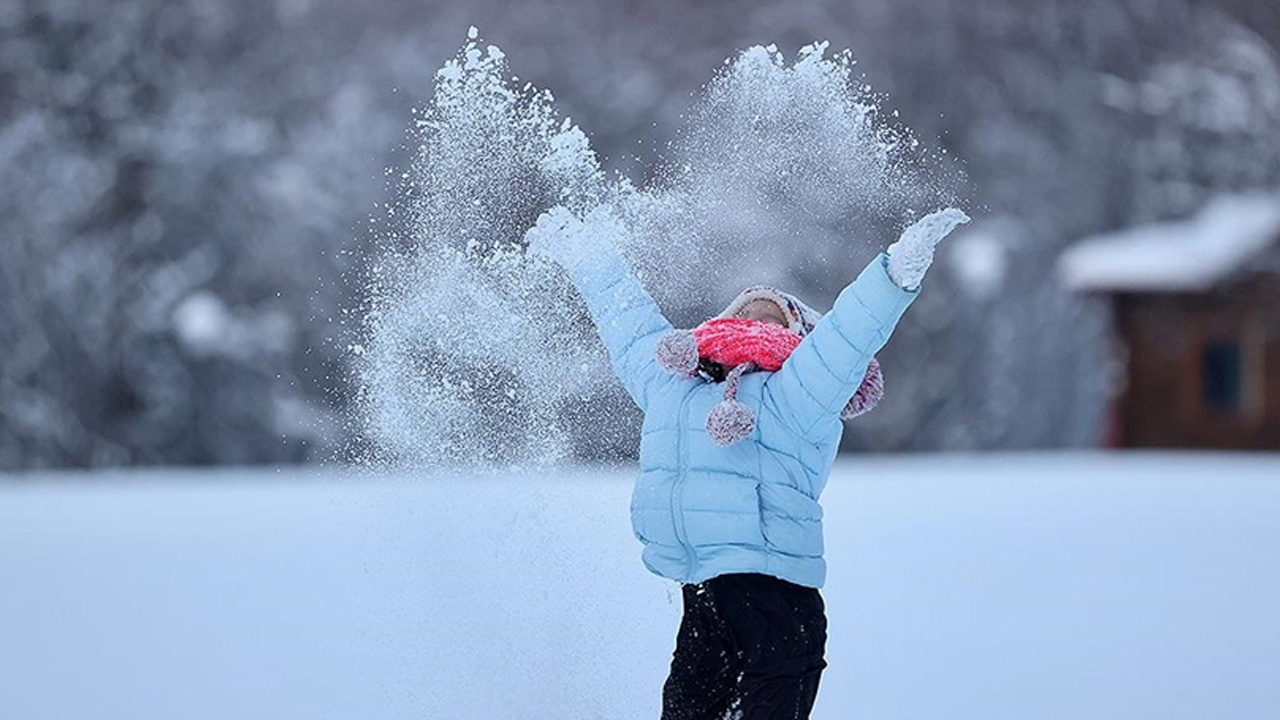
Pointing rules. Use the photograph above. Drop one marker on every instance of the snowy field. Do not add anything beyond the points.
(984, 588)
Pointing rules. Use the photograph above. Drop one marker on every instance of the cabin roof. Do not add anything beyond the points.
(1179, 256)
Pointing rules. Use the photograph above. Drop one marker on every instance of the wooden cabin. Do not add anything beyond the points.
(1196, 321)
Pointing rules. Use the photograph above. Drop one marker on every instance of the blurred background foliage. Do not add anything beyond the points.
(186, 191)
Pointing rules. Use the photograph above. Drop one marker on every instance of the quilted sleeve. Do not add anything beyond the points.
(626, 317)
(824, 371)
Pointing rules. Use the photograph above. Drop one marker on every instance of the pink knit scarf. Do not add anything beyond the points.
(726, 348)
(736, 341)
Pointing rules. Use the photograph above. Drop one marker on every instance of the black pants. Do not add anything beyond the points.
(747, 643)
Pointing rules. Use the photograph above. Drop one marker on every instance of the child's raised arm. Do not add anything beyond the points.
(813, 385)
(627, 319)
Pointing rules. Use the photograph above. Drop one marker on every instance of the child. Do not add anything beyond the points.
(727, 500)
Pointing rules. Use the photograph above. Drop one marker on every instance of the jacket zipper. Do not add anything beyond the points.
(677, 487)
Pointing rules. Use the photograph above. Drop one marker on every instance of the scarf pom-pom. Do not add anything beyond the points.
(677, 352)
(869, 393)
(730, 421)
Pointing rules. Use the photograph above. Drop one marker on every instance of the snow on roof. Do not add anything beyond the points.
(1186, 255)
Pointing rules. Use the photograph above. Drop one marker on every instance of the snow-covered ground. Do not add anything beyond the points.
(991, 588)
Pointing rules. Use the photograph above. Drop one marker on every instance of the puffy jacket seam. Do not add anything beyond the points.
(771, 404)
(646, 385)
(804, 386)
(857, 296)
(808, 432)
(722, 471)
(842, 378)
(745, 546)
(796, 556)
(625, 352)
(766, 552)
(790, 516)
(839, 328)
(760, 448)
(610, 278)
(778, 451)
(822, 360)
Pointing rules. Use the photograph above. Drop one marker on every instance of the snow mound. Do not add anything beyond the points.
(1083, 586)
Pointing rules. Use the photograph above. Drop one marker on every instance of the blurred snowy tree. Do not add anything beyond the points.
(186, 191)
(171, 233)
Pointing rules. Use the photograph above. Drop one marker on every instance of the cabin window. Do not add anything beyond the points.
(1222, 375)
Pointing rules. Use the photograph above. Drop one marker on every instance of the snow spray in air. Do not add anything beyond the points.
(475, 355)
(781, 173)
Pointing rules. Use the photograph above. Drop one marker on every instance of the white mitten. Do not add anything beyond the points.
(555, 235)
(912, 255)
(561, 237)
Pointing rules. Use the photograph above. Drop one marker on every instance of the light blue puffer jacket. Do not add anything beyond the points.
(704, 510)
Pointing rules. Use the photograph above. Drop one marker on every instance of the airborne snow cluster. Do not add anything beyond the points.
(477, 354)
